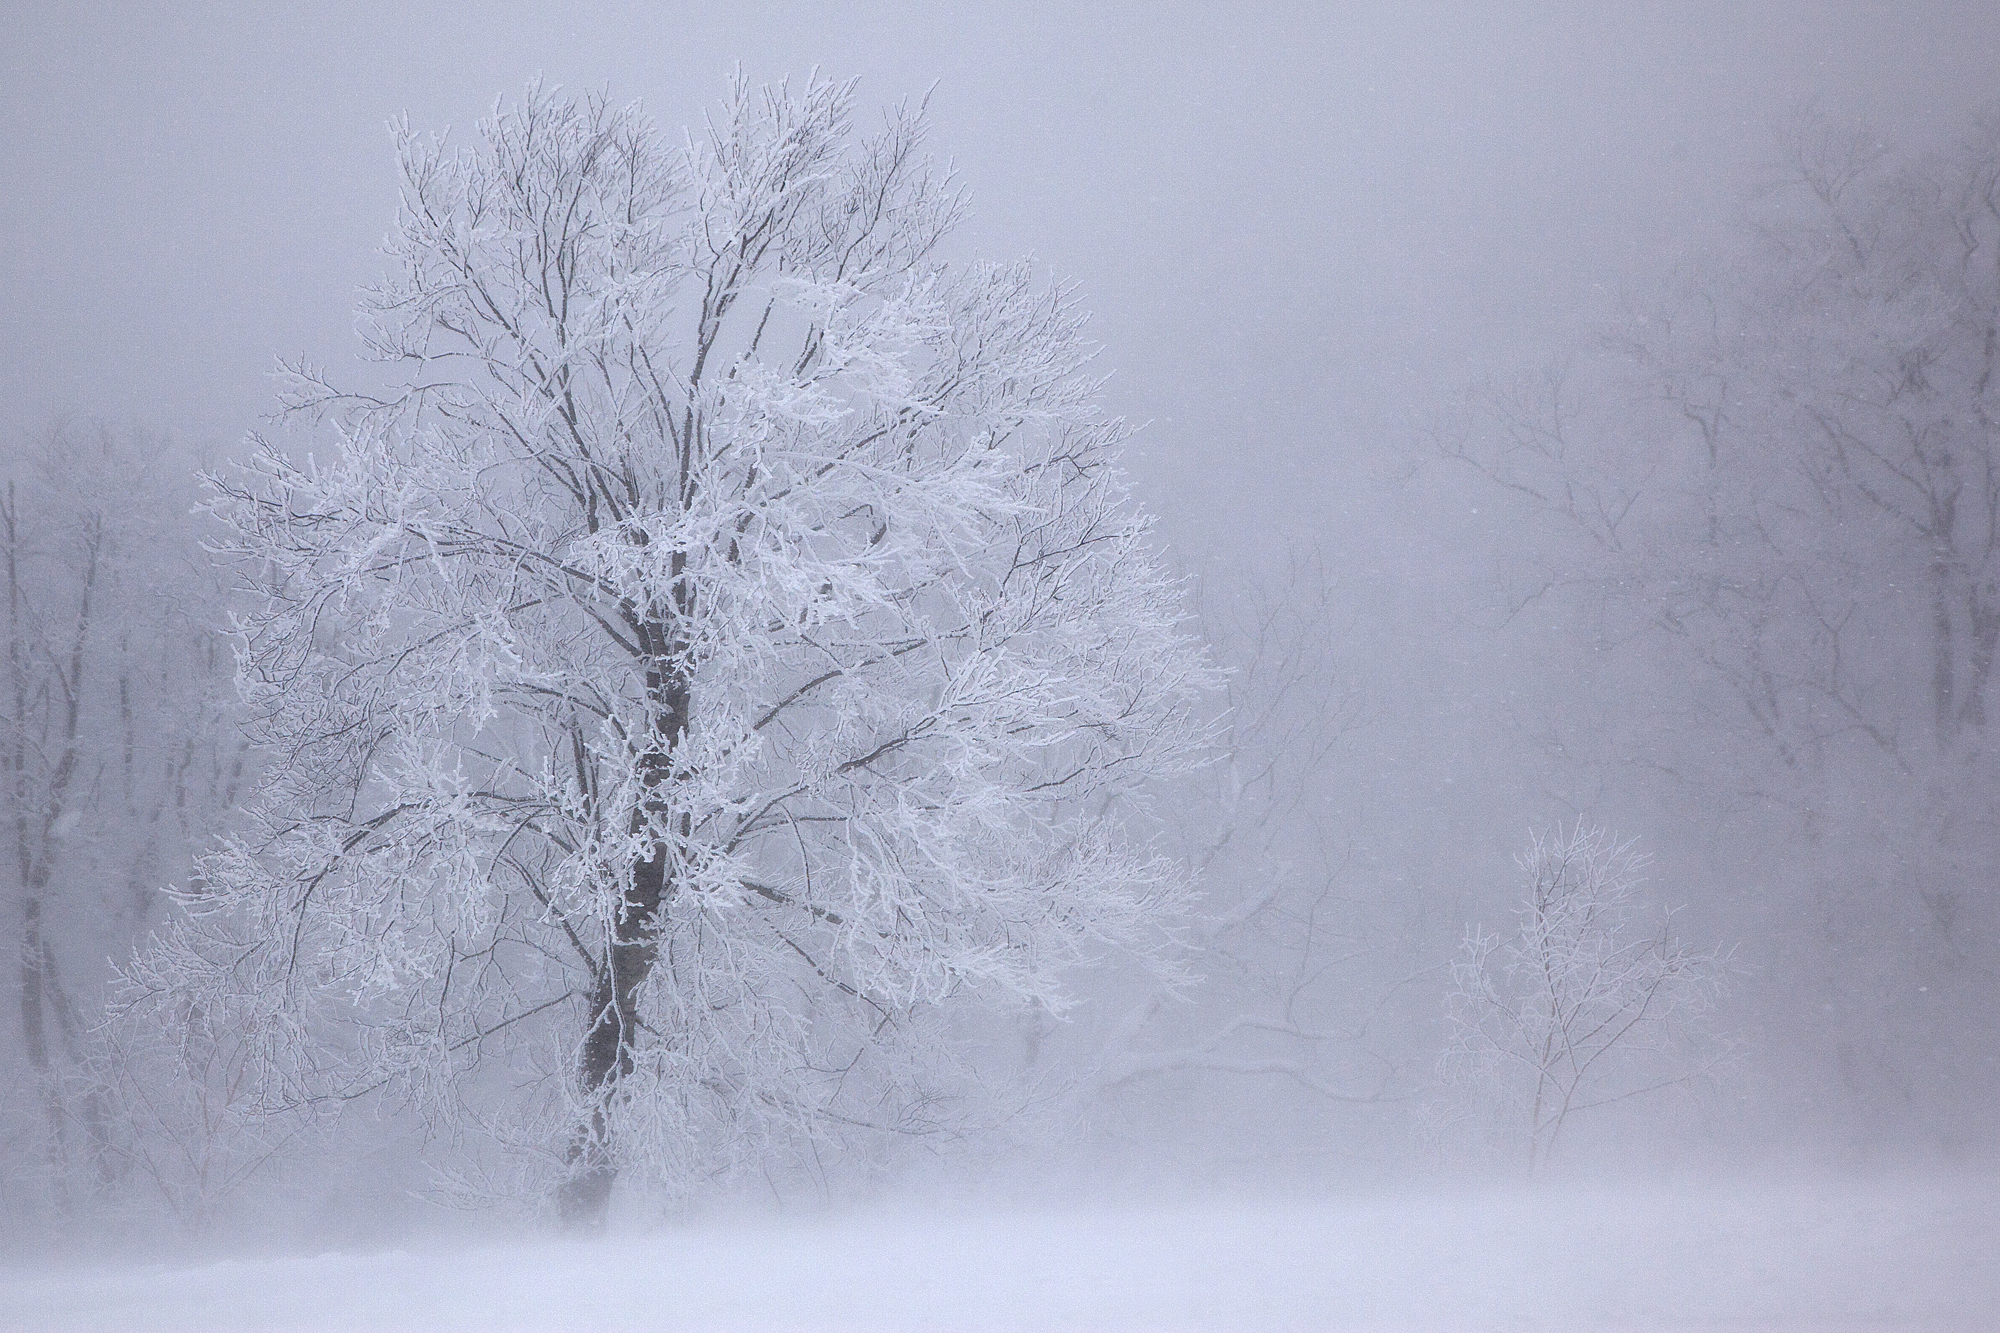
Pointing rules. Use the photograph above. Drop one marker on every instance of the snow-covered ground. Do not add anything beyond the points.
(1920, 1254)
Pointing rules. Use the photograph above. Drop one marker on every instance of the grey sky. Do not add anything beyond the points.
(1295, 223)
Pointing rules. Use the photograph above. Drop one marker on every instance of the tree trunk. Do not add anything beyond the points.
(36, 988)
(606, 1057)
(1942, 649)
(1985, 618)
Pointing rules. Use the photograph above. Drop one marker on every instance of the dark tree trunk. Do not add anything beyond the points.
(606, 1055)
(1942, 652)
(37, 989)
(1985, 618)
(34, 1025)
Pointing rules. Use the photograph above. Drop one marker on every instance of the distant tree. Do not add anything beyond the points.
(1769, 502)
(1585, 1006)
(1787, 465)
(728, 646)
(1270, 934)
(117, 760)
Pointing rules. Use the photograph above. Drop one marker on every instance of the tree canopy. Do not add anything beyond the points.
(727, 641)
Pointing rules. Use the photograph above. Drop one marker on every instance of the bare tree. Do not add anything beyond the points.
(1272, 933)
(728, 647)
(118, 764)
(1585, 1006)
(1787, 462)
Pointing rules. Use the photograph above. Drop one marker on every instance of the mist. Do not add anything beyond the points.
(1318, 667)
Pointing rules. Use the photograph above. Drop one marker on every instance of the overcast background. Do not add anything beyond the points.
(1296, 224)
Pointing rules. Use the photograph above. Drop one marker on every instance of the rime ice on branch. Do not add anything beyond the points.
(729, 643)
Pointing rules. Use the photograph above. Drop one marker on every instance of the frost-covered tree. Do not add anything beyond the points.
(1585, 1006)
(727, 645)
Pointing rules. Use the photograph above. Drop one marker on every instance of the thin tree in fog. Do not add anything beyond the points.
(1272, 933)
(729, 647)
(116, 758)
(1586, 1005)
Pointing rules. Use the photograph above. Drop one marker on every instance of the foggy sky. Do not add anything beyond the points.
(1302, 230)
(1296, 224)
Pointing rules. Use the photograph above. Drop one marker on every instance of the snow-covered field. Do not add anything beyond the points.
(1918, 1254)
